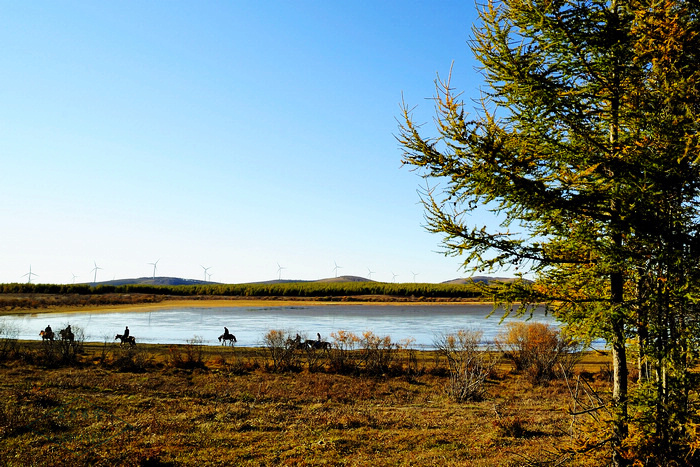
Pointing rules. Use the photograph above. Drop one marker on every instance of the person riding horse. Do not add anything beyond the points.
(130, 340)
(47, 334)
(126, 333)
(227, 336)
(67, 334)
(318, 344)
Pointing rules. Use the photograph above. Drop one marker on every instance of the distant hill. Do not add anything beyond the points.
(155, 281)
(344, 279)
(330, 279)
(179, 281)
(485, 279)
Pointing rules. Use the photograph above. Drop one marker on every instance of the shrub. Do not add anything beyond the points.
(377, 352)
(189, 355)
(468, 366)
(342, 353)
(8, 340)
(282, 348)
(538, 350)
(64, 349)
(132, 359)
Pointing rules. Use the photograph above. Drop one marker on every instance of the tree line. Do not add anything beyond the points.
(292, 289)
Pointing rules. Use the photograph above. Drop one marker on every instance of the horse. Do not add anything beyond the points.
(317, 345)
(227, 337)
(296, 343)
(46, 336)
(125, 340)
(67, 335)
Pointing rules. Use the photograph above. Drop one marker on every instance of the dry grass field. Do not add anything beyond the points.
(198, 405)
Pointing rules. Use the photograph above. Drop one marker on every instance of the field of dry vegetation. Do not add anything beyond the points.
(199, 405)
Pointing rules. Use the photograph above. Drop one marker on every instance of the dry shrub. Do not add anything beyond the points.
(8, 340)
(342, 354)
(189, 355)
(377, 353)
(538, 350)
(468, 366)
(281, 348)
(132, 359)
(510, 423)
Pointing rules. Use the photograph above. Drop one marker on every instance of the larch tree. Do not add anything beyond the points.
(586, 144)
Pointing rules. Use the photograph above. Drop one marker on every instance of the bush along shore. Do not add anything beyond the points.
(355, 400)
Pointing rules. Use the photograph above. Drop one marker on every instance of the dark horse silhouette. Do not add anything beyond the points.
(318, 344)
(296, 343)
(47, 336)
(125, 340)
(67, 335)
(227, 338)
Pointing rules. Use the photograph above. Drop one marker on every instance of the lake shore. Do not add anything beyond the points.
(14, 304)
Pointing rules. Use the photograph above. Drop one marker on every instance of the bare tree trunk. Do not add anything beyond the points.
(620, 373)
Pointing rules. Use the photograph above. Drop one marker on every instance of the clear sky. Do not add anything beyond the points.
(234, 135)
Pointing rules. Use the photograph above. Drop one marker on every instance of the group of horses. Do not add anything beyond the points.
(226, 339)
(66, 335)
(308, 344)
(295, 344)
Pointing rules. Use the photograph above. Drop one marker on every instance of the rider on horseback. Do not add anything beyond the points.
(226, 333)
(48, 330)
(126, 332)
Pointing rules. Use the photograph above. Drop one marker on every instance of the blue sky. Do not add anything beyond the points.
(232, 135)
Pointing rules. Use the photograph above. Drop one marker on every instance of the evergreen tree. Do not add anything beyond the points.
(586, 143)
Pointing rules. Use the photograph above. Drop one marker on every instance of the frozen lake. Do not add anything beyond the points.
(421, 323)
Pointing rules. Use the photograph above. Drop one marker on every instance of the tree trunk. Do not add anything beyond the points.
(620, 373)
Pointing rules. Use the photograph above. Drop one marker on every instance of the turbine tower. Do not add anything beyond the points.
(336, 268)
(414, 276)
(205, 272)
(94, 280)
(74, 277)
(394, 276)
(29, 275)
(155, 266)
(279, 271)
(370, 272)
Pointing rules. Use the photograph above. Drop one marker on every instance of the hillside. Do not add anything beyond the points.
(174, 281)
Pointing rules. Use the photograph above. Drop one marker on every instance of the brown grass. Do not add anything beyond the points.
(31, 303)
(232, 411)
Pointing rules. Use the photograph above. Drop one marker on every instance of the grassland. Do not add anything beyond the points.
(198, 405)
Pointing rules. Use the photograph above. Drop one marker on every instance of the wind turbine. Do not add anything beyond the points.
(414, 276)
(279, 271)
(336, 268)
(205, 272)
(74, 277)
(94, 280)
(370, 272)
(155, 266)
(394, 276)
(29, 275)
